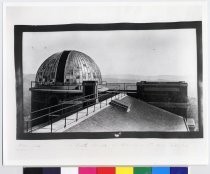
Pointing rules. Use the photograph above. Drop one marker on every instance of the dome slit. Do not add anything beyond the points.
(61, 67)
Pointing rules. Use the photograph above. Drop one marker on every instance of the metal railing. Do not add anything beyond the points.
(122, 86)
(51, 113)
(64, 86)
(78, 86)
(63, 110)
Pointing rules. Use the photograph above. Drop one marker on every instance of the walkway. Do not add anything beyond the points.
(82, 115)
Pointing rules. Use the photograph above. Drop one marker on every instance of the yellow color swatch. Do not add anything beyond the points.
(124, 170)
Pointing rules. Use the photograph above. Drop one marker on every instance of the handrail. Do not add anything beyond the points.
(116, 89)
(60, 104)
(125, 86)
(66, 107)
(78, 84)
(121, 83)
(60, 109)
(130, 85)
(114, 84)
(53, 84)
(76, 110)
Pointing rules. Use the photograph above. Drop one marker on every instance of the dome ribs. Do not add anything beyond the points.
(69, 67)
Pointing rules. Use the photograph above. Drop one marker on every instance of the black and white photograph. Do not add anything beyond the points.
(124, 81)
(109, 80)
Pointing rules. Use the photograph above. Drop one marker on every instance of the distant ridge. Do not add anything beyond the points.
(128, 78)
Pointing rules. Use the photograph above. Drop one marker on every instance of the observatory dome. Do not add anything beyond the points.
(67, 68)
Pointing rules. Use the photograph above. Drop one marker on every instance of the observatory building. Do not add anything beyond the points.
(68, 90)
(61, 77)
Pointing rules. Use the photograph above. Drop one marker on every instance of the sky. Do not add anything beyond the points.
(136, 52)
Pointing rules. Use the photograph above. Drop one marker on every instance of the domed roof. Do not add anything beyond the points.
(67, 68)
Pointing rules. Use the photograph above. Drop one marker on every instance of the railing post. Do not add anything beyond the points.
(51, 123)
(100, 105)
(31, 125)
(62, 109)
(50, 120)
(65, 122)
(62, 115)
(27, 125)
(87, 112)
(77, 116)
(106, 101)
(95, 101)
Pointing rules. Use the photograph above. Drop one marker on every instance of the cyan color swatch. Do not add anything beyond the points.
(160, 170)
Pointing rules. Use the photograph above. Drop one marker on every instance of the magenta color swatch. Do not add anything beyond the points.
(87, 170)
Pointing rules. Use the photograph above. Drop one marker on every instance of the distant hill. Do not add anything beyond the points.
(27, 78)
(136, 78)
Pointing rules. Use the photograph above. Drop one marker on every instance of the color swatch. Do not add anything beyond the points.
(161, 170)
(124, 170)
(178, 170)
(87, 170)
(107, 170)
(142, 170)
(69, 170)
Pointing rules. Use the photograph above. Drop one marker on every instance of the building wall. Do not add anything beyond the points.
(40, 100)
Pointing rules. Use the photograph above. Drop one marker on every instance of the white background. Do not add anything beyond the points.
(18, 170)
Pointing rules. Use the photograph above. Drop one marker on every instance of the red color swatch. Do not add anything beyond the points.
(105, 170)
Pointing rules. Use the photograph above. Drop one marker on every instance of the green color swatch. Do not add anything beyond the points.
(142, 170)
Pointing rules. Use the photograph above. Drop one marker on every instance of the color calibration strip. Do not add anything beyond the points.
(107, 170)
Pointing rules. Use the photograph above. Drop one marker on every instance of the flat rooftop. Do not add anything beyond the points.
(142, 117)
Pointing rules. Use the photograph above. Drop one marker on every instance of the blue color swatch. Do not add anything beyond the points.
(179, 170)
